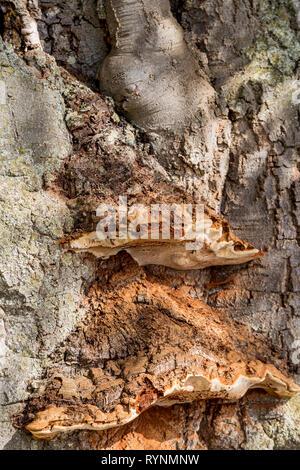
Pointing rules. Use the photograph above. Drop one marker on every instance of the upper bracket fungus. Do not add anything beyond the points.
(218, 246)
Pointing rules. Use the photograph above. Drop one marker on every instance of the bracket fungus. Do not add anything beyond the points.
(191, 386)
(218, 246)
(123, 367)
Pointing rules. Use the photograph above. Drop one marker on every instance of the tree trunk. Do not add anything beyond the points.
(145, 345)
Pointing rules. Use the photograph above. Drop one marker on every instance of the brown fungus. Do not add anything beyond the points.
(146, 343)
(187, 387)
(218, 247)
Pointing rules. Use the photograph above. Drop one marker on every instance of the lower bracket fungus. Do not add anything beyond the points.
(190, 386)
(147, 343)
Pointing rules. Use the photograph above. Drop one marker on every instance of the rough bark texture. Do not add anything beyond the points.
(64, 148)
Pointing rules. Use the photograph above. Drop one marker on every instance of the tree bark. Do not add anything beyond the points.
(219, 122)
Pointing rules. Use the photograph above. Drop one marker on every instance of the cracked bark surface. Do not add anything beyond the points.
(58, 162)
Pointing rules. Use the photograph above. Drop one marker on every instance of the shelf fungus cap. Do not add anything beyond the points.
(196, 384)
(216, 246)
(181, 351)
